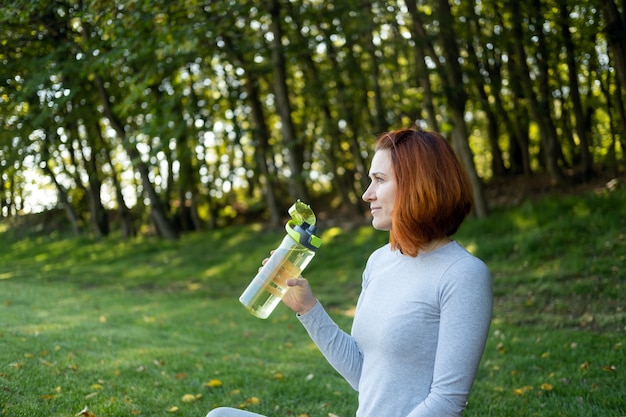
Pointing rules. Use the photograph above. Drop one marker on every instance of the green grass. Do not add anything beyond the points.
(138, 327)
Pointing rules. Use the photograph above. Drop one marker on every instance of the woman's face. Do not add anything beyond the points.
(381, 193)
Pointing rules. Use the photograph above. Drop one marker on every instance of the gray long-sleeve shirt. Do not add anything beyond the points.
(418, 334)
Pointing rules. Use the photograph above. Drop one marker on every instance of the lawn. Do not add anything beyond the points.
(151, 328)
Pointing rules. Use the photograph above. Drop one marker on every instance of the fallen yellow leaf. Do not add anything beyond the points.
(172, 409)
(547, 387)
(187, 398)
(214, 383)
(523, 390)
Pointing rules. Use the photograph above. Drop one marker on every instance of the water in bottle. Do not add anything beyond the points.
(288, 261)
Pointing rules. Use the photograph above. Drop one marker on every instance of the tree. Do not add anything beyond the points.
(537, 100)
(574, 88)
(454, 90)
(293, 146)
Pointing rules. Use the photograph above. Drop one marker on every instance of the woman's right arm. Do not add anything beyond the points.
(338, 347)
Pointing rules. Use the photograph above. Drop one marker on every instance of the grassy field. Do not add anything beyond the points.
(152, 328)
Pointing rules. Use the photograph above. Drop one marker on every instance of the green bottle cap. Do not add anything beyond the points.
(302, 213)
(301, 227)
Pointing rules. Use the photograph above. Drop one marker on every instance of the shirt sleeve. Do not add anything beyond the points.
(339, 348)
(466, 300)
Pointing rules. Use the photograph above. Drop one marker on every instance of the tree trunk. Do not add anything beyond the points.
(5, 206)
(186, 181)
(572, 72)
(260, 133)
(349, 108)
(337, 156)
(539, 108)
(615, 28)
(192, 170)
(62, 195)
(453, 89)
(514, 116)
(261, 140)
(98, 214)
(621, 112)
(125, 216)
(461, 145)
(158, 215)
(420, 39)
(378, 118)
(293, 145)
(493, 132)
(489, 91)
(455, 93)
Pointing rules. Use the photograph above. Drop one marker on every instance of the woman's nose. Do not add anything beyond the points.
(368, 194)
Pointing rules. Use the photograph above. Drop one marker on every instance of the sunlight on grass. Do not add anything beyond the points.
(329, 234)
(524, 220)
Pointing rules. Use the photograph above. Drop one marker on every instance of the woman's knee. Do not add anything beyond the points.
(220, 412)
(230, 412)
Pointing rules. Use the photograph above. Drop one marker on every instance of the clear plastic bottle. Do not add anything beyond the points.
(288, 261)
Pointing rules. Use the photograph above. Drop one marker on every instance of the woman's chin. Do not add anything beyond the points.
(382, 226)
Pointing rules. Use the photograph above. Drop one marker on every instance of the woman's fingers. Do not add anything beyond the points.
(297, 282)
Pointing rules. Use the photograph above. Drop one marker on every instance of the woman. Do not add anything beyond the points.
(423, 315)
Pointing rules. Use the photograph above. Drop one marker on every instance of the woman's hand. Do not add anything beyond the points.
(300, 297)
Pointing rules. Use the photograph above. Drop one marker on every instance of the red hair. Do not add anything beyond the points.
(434, 193)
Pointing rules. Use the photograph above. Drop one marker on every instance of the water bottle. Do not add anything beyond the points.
(287, 261)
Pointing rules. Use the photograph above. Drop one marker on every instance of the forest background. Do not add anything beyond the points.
(169, 117)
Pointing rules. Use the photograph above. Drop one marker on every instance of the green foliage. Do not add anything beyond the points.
(184, 92)
(153, 328)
